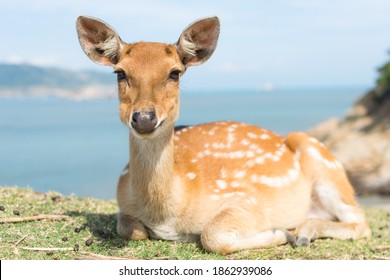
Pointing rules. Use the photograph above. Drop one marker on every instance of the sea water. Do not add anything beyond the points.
(81, 147)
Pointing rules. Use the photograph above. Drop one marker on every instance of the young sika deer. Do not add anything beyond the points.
(232, 185)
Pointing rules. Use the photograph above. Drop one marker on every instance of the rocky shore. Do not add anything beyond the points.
(361, 140)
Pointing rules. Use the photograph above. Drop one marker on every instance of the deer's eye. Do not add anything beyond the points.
(174, 75)
(121, 75)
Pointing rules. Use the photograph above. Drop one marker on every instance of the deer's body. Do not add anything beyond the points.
(231, 185)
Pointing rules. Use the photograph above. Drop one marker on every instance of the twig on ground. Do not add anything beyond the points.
(92, 256)
(46, 249)
(381, 258)
(163, 258)
(20, 240)
(33, 218)
(382, 247)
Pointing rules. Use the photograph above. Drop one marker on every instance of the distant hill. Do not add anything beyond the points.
(24, 80)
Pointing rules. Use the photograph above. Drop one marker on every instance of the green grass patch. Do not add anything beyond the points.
(96, 220)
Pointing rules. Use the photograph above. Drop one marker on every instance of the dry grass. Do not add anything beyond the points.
(95, 220)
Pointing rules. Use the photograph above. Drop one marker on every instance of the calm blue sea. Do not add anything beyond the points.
(81, 147)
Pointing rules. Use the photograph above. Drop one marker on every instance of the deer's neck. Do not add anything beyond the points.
(151, 174)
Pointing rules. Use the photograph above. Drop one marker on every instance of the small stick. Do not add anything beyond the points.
(93, 256)
(162, 258)
(46, 249)
(33, 218)
(382, 247)
(382, 258)
(20, 240)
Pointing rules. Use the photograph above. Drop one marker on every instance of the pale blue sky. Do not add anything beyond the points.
(289, 43)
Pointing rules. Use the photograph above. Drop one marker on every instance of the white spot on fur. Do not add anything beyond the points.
(260, 160)
(218, 145)
(259, 151)
(223, 173)
(219, 155)
(230, 140)
(314, 153)
(293, 174)
(253, 147)
(235, 184)
(252, 135)
(221, 184)
(245, 142)
(237, 154)
(274, 157)
(264, 136)
(239, 174)
(315, 141)
(280, 152)
(230, 155)
(331, 164)
(232, 128)
(250, 154)
(213, 130)
(277, 181)
(191, 175)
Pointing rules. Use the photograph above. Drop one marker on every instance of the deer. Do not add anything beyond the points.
(227, 185)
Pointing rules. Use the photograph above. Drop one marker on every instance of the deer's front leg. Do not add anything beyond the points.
(130, 228)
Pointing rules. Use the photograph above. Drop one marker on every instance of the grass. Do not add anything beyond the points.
(96, 220)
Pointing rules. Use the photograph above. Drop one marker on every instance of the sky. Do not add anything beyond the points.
(284, 43)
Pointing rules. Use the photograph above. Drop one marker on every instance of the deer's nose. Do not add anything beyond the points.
(144, 121)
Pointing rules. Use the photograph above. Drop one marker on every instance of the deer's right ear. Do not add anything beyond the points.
(99, 41)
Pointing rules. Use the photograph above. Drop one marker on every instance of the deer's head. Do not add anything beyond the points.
(148, 73)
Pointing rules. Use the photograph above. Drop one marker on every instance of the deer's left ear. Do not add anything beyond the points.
(198, 41)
